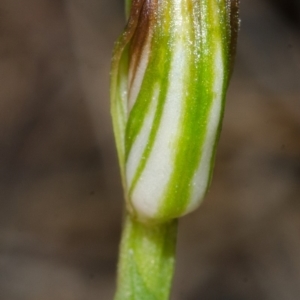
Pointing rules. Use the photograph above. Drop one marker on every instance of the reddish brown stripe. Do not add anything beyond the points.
(142, 34)
(128, 32)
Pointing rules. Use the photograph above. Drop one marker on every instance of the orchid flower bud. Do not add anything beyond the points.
(170, 74)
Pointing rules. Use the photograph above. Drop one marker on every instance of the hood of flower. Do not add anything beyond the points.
(170, 75)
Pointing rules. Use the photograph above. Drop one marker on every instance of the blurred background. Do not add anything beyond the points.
(60, 193)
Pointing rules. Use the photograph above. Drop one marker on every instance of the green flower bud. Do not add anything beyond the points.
(170, 74)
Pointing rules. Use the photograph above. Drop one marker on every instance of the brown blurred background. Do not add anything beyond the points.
(60, 193)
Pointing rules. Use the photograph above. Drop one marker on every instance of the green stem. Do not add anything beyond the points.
(127, 7)
(147, 260)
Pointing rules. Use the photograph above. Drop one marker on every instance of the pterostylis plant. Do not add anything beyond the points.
(170, 73)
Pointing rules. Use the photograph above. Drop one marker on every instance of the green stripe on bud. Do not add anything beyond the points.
(171, 69)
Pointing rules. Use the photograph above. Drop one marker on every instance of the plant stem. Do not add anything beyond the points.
(146, 263)
(127, 7)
